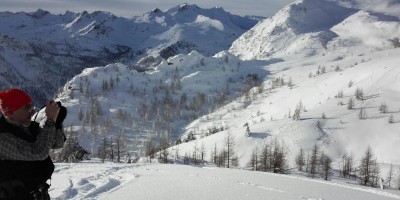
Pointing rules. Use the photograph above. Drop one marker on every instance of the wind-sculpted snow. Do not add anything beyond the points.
(171, 182)
(89, 180)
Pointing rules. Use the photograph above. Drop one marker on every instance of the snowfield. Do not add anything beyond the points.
(171, 182)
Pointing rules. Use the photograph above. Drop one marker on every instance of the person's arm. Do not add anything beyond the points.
(13, 148)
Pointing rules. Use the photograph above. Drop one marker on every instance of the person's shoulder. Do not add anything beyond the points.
(5, 135)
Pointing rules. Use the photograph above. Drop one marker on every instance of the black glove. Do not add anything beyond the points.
(61, 116)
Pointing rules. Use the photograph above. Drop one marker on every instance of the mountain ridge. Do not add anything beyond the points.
(65, 44)
(295, 31)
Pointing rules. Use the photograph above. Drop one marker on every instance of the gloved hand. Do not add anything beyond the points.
(61, 116)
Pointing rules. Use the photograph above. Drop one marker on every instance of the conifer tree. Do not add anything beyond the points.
(362, 114)
(265, 158)
(297, 111)
(230, 148)
(390, 175)
(326, 166)
(248, 133)
(72, 150)
(314, 160)
(350, 103)
(383, 108)
(391, 119)
(368, 169)
(253, 162)
(398, 179)
(300, 162)
(102, 151)
(279, 164)
(359, 94)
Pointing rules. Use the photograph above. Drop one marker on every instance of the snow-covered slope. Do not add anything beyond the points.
(142, 181)
(314, 27)
(189, 93)
(47, 49)
(341, 132)
(115, 100)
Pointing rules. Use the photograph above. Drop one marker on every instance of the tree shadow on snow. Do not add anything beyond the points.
(260, 135)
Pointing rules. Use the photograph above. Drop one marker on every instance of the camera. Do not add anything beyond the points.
(62, 114)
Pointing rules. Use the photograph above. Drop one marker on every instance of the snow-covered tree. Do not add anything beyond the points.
(247, 133)
(72, 150)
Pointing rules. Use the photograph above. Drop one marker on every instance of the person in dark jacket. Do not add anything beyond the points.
(25, 164)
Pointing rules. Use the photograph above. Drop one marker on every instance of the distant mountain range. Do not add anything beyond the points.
(40, 51)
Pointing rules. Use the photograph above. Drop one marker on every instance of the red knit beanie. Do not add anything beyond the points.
(13, 99)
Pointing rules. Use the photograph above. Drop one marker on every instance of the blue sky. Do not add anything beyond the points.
(129, 8)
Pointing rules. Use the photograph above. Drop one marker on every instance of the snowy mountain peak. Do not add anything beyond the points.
(307, 28)
(63, 45)
(38, 13)
(314, 15)
(186, 7)
(156, 10)
(183, 8)
(100, 15)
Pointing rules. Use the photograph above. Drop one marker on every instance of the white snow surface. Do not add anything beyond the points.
(93, 180)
